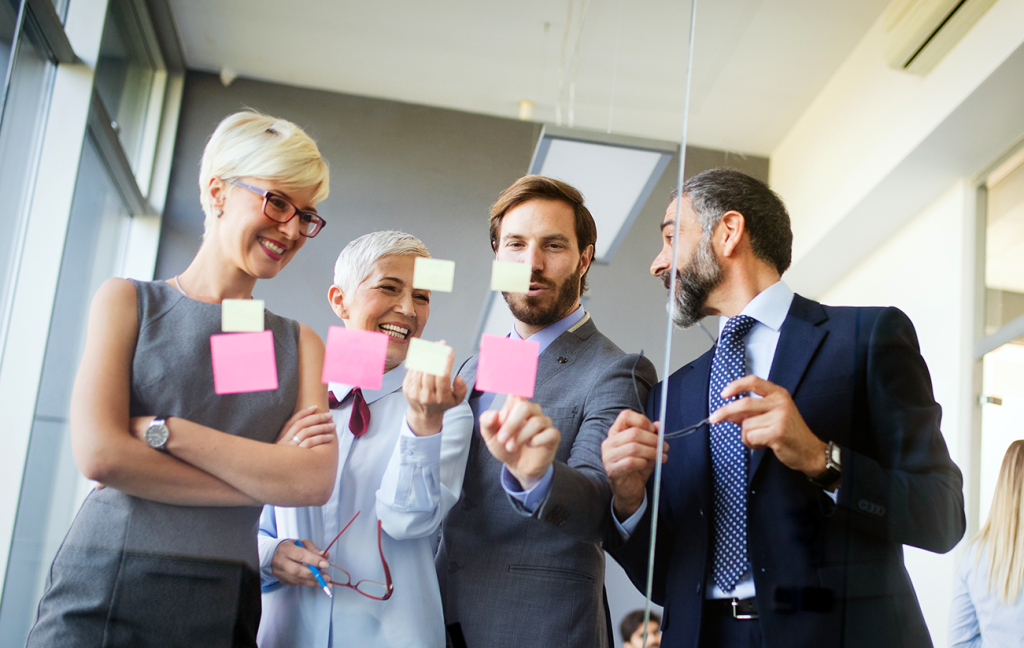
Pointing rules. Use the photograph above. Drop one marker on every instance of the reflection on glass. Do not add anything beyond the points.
(1001, 414)
(20, 136)
(52, 488)
(1004, 251)
(124, 77)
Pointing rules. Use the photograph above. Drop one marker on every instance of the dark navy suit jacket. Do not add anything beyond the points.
(826, 574)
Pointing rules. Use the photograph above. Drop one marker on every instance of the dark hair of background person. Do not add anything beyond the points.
(714, 192)
(632, 621)
(534, 187)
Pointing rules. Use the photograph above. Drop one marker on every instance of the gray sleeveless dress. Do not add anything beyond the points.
(132, 572)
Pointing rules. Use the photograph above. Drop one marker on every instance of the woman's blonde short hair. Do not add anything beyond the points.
(356, 261)
(249, 144)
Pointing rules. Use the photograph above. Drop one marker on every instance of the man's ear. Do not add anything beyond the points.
(586, 259)
(337, 299)
(731, 230)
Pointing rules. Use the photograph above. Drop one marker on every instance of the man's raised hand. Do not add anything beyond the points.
(629, 454)
(521, 437)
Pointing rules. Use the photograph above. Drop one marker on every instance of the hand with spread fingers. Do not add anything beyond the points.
(290, 563)
(430, 397)
(629, 453)
(773, 422)
(521, 437)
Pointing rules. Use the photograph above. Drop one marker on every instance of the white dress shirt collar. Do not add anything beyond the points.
(770, 307)
(391, 383)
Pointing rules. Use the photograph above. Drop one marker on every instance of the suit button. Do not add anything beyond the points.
(452, 567)
(863, 505)
(562, 360)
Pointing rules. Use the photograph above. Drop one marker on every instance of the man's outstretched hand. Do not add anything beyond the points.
(521, 437)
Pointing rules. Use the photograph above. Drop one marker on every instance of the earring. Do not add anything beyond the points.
(219, 213)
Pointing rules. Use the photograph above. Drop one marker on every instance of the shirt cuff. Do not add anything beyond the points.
(629, 525)
(532, 498)
(833, 495)
(417, 450)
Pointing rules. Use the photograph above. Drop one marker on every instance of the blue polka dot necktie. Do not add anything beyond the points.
(729, 459)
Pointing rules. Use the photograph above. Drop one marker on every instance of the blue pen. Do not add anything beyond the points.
(316, 574)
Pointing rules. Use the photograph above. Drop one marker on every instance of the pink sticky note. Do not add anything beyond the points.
(507, 366)
(355, 357)
(243, 362)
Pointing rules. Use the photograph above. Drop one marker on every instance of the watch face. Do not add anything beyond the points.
(836, 454)
(157, 433)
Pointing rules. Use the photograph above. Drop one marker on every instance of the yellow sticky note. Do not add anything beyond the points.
(433, 274)
(428, 357)
(508, 276)
(241, 315)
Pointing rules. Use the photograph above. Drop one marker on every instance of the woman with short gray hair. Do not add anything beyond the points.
(403, 450)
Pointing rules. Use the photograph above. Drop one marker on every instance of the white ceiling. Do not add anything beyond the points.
(758, 63)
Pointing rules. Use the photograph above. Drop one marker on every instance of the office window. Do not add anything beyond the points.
(21, 122)
(52, 488)
(1001, 347)
(1004, 249)
(125, 73)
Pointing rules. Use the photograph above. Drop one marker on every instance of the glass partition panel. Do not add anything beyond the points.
(52, 488)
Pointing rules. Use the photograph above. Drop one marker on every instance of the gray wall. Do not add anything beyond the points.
(433, 173)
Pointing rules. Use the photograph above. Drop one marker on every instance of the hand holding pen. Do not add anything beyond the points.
(298, 562)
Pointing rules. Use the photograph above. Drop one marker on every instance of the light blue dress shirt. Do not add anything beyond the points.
(531, 498)
(977, 618)
(770, 308)
(408, 483)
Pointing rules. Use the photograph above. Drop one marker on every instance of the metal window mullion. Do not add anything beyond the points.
(113, 155)
(43, 16)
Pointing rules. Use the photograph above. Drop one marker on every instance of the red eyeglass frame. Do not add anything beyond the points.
(389, 586)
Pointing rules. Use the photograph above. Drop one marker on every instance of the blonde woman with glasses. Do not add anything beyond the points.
(988, 605)
(165, 553)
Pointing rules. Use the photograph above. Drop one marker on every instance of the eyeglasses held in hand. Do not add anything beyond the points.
(281, 210)
(369, 588)
(690, 429)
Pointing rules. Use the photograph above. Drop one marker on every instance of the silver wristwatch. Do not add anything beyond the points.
(833, 468)
(157, 434)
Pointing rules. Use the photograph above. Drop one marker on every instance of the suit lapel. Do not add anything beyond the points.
(799, 339)
(561, 353)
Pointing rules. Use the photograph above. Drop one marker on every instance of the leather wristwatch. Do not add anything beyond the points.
(157, 434)
(833, 468)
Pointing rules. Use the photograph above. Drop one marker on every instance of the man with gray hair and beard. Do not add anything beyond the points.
(804, 449)
(520, 561)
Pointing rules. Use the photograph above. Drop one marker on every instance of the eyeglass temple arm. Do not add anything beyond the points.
(340, 532)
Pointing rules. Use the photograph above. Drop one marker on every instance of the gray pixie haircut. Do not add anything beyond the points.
(714, 192)
(356, 261)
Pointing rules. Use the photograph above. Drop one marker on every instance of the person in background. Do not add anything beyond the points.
(988, 604)
(632, 630)
(165, 555)
(399, 472)
(520, 561)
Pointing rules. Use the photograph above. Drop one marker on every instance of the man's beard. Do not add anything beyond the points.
(531, 311)
(694, 283)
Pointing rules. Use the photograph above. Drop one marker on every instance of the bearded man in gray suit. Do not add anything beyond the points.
(520, 561)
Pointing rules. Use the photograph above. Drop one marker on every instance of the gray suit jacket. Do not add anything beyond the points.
(511, 578)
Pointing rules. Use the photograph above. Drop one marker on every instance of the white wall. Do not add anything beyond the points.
(922, 271)
(878, 145)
